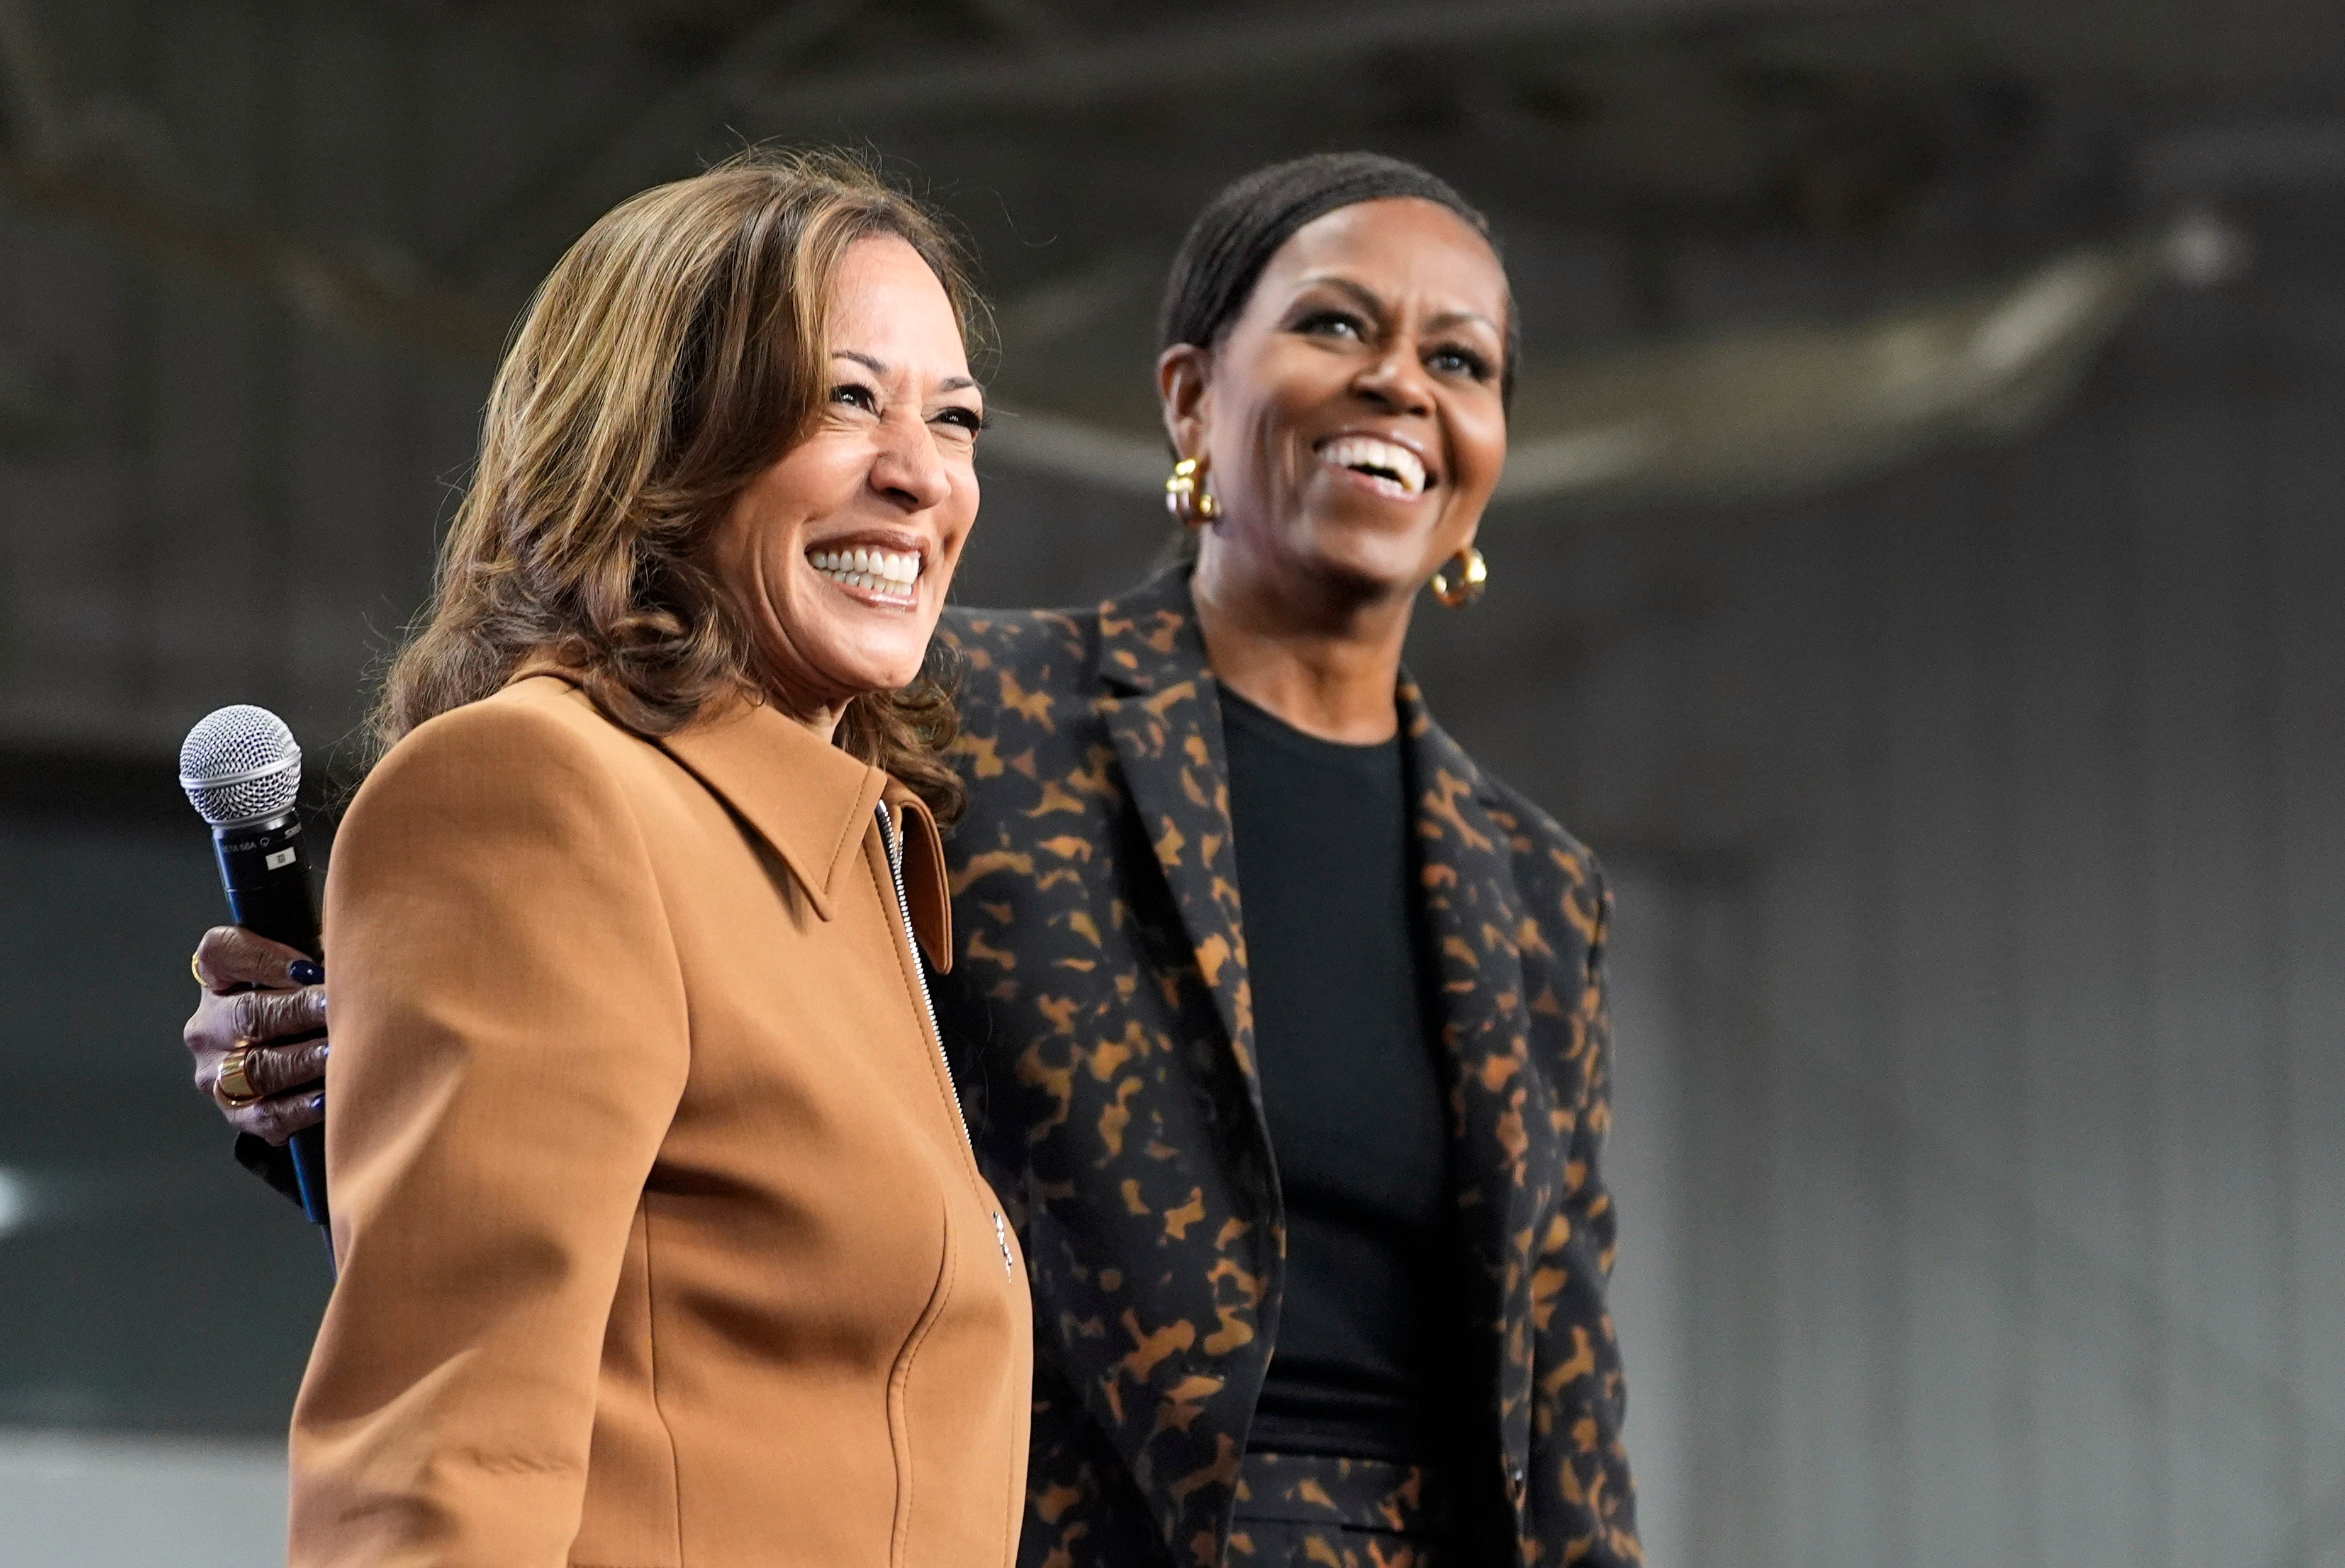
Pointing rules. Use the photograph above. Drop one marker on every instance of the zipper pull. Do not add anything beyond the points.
(1001, 1238)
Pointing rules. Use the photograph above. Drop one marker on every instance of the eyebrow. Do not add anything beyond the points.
(1373, 302)
(881, 368)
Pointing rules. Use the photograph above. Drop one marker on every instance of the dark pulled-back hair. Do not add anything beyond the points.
(1235, 236)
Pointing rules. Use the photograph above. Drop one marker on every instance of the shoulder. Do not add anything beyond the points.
(1552, 869)
(542, 718)
(1026, 640)
(496, 827)
(540, 744)
(1021, 666)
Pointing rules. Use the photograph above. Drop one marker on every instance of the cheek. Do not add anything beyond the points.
(737, 554)
(821, 476)
(1479, 447)
(763, 561)
(1288, 384)
(969, 496)
(1273, 468)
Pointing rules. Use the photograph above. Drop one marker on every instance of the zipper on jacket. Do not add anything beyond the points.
(895, 845)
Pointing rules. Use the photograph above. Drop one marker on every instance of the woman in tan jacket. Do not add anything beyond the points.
(660, 1238)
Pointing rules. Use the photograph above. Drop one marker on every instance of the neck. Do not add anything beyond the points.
(823, 722)
(820, 720)
(1325, 659)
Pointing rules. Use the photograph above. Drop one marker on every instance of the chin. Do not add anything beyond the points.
(865, 680)
(860, 650)
(881, 670)
(1370, 555)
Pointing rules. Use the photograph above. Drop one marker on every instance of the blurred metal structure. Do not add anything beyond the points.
(1791, 409)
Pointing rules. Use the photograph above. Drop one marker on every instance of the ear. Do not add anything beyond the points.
(1183, 374)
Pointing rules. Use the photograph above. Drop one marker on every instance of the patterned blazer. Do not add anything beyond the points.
(1103, 1013)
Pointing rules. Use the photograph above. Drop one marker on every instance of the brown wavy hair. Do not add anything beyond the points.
(674, 353)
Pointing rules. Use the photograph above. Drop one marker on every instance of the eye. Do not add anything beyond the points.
(1332, 324)
(1456, 361)
(855, 394)
(962, 418)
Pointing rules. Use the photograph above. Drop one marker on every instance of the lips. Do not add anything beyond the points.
(1394, 466)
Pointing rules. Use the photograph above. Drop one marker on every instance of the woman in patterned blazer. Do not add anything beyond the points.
(1283, 1024)
(1287, 1021)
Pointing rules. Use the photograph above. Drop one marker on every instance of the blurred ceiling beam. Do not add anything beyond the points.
(573, 189)
(51, 164)
(756, 81)
(1806, 406)
(322, 285)
(1180, 58)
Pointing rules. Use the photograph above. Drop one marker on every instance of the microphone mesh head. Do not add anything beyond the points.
(240, 765)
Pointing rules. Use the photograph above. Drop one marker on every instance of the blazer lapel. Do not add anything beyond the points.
(808, 799)
(813, 803)
(1163, 711)
(927, 893)
(1498, 1104)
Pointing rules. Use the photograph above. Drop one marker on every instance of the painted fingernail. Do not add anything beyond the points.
(304, 973)
(316, 1102)
(325, 1049)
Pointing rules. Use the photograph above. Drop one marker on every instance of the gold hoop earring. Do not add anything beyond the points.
(1186, 497)
(1461, 579)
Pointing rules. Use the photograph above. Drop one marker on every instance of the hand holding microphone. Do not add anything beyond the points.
(264, 996)
(242, 772)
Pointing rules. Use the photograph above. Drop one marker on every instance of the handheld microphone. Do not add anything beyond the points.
(241, 770)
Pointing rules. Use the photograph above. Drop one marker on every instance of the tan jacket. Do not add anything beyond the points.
(661, 1241)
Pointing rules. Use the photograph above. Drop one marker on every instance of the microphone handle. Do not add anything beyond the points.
(265, 871)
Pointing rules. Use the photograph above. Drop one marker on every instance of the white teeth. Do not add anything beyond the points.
(876, 571)
(1365, 451)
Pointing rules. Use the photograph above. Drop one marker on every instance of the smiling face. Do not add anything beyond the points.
(837, 556)
(1352, 414)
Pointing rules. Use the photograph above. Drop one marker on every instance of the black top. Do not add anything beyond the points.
(1352, 1087)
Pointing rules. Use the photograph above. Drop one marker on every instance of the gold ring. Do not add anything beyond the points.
(195, 968)
(235, 1088)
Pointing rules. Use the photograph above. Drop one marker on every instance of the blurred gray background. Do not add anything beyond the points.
(1919, 579)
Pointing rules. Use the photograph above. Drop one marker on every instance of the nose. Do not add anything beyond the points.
(1396, 382)
(908, 469)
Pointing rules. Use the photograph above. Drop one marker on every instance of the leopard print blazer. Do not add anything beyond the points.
(1100, 1009)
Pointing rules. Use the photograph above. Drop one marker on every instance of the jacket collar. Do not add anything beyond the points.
(1163, 711)
(809, 800)
(1148, 639)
